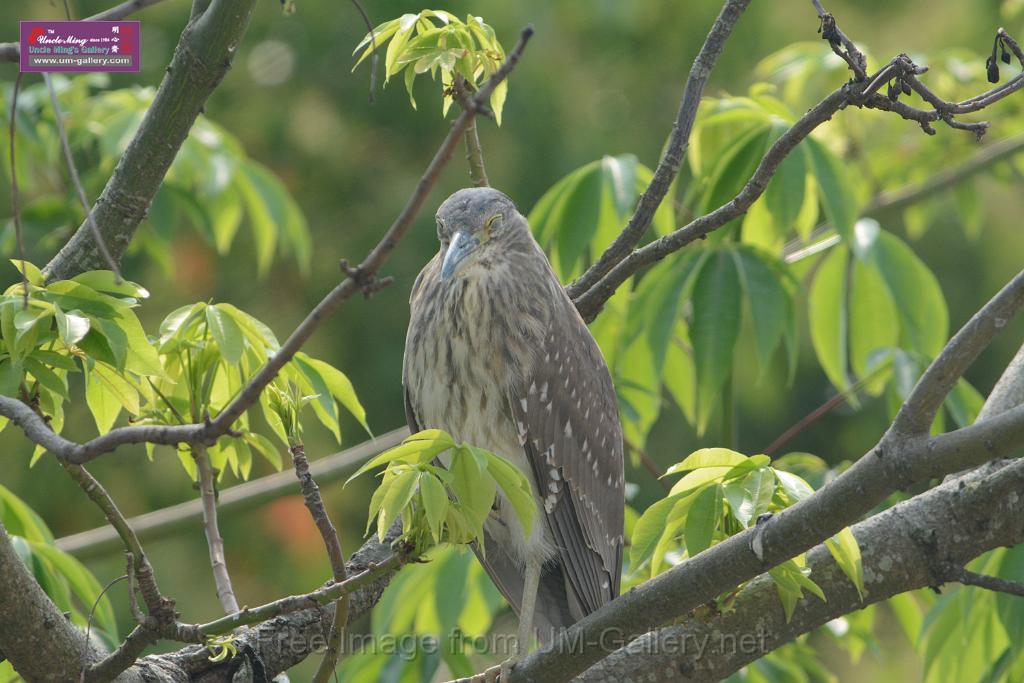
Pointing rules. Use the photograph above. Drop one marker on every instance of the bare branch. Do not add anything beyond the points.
(959, 574)
(373, 48)
(918, 412)
(315, 504)
(840, 43)
(589, 304)
(675, 151)
(76, 182)
(861, 92)
(15, 194)
(214, 541)
(312, 600)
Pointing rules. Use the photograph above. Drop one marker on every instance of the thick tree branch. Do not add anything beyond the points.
(36, 637)
(675, 151)
(897, 461)
(918, 412)
(900, 548)
(201, 59)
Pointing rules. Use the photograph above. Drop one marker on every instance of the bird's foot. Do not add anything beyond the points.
(496, 674)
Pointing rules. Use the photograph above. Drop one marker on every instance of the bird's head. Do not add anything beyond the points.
(475, 223)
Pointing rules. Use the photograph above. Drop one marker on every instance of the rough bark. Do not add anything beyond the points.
(903, 549)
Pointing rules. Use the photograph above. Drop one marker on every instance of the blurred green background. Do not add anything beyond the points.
(600, 77)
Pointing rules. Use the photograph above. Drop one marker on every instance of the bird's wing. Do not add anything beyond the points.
(568, 422)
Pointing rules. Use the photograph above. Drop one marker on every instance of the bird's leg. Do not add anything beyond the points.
(531, 580)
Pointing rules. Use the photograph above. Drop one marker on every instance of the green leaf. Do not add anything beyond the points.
(410, 451)
(964, 403)
(916, 292)
(768, 302)
(874, 324)
(715, 328)
(750, 496)
(266, 448)
(32, 272)
(226, 333)
(474, 487)
(435, 503)
(83, 585)
(835, 188)
(846, 552)
(702, 519)
(516, 488)
(707, 457)
(734, 168)
(398, 495)
(72, 326)
(795, 488)
(105, 281)
(784, 196)
(340, 387)
(1010, 607)
(908, 614)
(649, 529)
(21, 520)
(826, 306)
(47, 377)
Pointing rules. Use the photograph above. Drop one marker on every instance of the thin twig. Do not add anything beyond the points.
(954, 572)
(822, 410)
(10, 52)
(315, 504)
(214, 541)
(918, 411)
(293, 603)
(77, 182)
(15, 194)
(474, 152)
(373, 48)
(675, 151)
(862, 94)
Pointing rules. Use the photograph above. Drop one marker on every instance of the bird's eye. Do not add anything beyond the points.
(494, 222)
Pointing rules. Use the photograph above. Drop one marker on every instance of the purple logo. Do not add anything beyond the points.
(79, 46)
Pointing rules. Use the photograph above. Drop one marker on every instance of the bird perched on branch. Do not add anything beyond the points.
(497, 355)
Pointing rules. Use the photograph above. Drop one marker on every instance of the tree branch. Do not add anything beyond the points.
(315, 504)
(203, 56)
(36, 637)
(895, 462)
(899, 547)
(675, 151)
(861, 92)
(214, 541)
(233, 500)
(11, 52)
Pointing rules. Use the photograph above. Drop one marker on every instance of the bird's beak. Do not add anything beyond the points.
(462, 246)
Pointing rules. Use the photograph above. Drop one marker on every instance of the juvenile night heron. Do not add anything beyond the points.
(497, 355)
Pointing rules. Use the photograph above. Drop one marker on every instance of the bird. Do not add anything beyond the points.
(497, 355)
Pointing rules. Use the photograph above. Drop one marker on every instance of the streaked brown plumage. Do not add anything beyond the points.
(497, 355)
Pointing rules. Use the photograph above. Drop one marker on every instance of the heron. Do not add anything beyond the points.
(497, 355)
